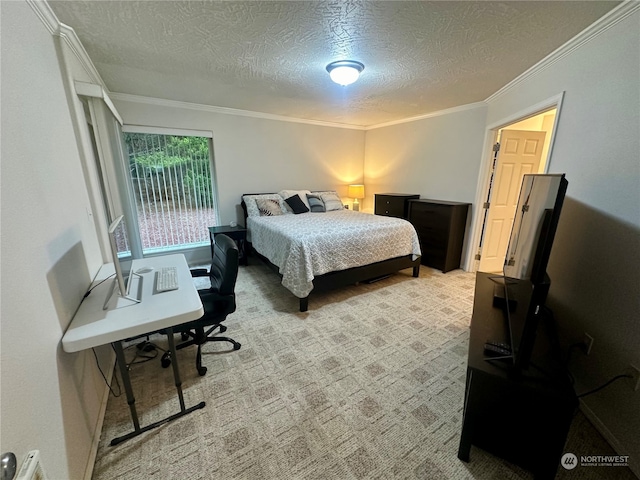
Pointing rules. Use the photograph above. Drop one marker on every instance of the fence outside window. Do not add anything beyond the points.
(173, 188)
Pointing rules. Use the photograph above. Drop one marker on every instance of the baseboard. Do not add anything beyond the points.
(91, 461)
(634, 463)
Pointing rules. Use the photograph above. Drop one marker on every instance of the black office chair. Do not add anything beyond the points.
(218, 301)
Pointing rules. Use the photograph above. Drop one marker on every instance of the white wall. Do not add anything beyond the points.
(594, 265)
(437, 157)
(50, 400)
(262, 155)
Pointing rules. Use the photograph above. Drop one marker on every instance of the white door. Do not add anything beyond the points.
(520, 153)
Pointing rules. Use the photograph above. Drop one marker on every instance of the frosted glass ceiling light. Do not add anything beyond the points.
(345, 72)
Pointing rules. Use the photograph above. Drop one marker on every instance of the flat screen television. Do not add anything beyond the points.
(534, 227)
(122, 260)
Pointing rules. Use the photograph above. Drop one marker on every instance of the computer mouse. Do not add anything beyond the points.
(144, 270)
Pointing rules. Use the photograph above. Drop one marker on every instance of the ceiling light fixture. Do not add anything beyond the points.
(345, 72)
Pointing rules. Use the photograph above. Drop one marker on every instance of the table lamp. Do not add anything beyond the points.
(356, 192)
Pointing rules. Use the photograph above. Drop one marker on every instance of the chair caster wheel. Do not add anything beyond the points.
(165, 361)
(202, 371)
(223, 329)
(236, 346)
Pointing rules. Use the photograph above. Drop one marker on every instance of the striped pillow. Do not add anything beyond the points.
(331, 201)
(315, 203)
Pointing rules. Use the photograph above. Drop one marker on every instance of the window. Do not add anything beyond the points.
(173, 187)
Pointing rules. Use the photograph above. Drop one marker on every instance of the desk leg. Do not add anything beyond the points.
(126, 380)
(131, 400)
(176, 370)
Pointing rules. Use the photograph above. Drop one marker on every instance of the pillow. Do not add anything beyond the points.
(268, 207)
(252, 208)
(315, 202)
(296, 204)
(290, 193)
(331, 201)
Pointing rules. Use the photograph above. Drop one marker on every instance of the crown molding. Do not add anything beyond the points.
(45, 14)
(460, 108)
(68, 35)
(608, 20)
(125, 97)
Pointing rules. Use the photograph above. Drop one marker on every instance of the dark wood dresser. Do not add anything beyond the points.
(440, 226)
(393, 204)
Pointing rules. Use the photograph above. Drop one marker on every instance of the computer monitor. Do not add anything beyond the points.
(122, 260)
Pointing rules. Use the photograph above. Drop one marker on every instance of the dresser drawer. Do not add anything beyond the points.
(433, 237)
(393, 204)
(389, 207)
(432, 218)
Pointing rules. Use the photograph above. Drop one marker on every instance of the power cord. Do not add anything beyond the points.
(97, 284)
(617, 377)
(570, 350)
(105, 378)
(142, 349)
(583, 347)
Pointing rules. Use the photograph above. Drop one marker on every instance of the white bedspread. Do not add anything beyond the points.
(310, 244)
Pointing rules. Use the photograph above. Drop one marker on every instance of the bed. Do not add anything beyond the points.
(314, 251)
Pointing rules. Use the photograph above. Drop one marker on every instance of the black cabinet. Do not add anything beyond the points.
(393, 204)
(523, 417)
(440, 226)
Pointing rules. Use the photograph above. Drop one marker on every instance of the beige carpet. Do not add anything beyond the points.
(368, 384)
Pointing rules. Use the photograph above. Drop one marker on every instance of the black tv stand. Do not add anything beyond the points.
(533, 409)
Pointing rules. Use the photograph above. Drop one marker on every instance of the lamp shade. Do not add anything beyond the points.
(356, 191)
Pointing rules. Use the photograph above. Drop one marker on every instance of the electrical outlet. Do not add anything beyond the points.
(588, 343)
(635, 374)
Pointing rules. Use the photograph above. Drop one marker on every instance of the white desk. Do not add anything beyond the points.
(93, 326)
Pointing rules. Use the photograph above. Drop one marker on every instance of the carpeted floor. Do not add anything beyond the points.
(368, 384)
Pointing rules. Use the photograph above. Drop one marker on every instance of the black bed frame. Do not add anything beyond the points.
(350, 276)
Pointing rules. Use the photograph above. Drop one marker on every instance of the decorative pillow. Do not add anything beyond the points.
(315, 202)
(252, 207)
(331, 201)
(290, 193)
(268, 207)
(296, 204)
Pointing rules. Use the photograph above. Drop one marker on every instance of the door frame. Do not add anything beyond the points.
(487, 160)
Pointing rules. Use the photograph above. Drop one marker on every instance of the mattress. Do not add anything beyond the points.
(311, 244)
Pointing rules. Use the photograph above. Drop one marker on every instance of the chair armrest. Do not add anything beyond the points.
(199, 272)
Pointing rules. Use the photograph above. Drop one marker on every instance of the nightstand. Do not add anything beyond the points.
(237, 233)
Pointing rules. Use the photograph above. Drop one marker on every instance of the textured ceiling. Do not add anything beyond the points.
(270, 56)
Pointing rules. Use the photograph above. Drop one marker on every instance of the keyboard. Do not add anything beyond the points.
(167, 279)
